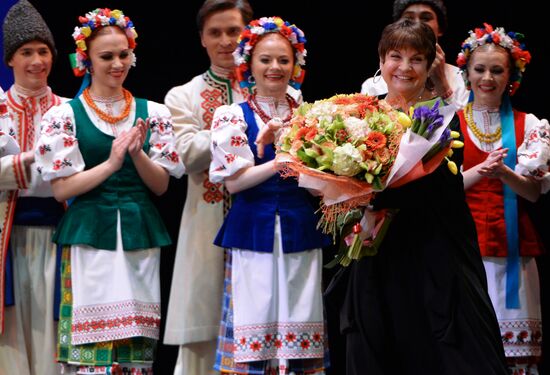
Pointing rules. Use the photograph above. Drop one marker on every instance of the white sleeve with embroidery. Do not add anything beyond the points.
(11, 168)
(534, 153)
(56, 152)
(230, 149)
(8, 144)
(162, 142)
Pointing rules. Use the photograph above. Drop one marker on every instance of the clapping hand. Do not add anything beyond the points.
(493, 166)
(119, 147)
(138, 133)
(268, 134)
(130, 142)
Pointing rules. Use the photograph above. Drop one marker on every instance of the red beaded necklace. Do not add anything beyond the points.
(253, 103)
(105, 116)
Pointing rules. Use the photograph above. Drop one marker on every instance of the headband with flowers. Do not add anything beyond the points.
(96, 19)
(250, 36)
(511, 41)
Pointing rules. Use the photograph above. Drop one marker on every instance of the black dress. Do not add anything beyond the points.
(420, 306)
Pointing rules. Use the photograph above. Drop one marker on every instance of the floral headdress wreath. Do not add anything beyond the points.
(97, 19)
(511, 41)
(250, 36)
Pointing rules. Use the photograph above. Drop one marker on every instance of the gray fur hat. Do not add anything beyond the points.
(439, 8)
(24, 24)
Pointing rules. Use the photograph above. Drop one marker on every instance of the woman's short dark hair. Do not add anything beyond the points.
(212, 6)
(405, 33)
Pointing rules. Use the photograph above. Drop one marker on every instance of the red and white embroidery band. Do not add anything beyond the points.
(279, 340)
(115, 321)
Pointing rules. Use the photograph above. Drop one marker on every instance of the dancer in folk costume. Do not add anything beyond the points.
(273, 310)
(505, 162)
(28, 211)
(193, 317)
(100, 149)
(194, 307)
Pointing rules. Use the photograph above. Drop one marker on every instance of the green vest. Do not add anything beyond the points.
(92, 217)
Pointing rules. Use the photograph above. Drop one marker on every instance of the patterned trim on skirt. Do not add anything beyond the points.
(224, 354)
(109, 353)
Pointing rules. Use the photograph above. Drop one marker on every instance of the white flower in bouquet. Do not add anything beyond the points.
(356, 128)
(346, 160)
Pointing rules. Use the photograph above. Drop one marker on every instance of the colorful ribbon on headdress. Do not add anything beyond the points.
(86, 80)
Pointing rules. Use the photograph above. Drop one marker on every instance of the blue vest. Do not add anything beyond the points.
(250, 223)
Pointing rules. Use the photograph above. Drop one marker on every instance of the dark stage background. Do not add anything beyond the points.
(342, 41)
(342, 53)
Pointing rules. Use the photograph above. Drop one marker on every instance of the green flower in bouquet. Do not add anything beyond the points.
(347, 135)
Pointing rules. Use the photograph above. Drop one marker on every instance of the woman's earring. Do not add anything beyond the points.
(251, 79)
(377, 76)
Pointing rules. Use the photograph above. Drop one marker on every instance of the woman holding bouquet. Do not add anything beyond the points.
(275, 310)
(444, 78)
(505, 158)
(98, 149)
(420, 306)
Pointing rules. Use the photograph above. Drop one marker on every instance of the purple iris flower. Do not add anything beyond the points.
(427, 120)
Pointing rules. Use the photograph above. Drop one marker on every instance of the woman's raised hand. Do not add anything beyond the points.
(438, 73)
(268, 134)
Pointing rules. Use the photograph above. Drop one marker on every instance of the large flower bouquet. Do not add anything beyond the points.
(348, 147)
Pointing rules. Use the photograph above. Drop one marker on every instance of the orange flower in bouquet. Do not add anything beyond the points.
(348, 147)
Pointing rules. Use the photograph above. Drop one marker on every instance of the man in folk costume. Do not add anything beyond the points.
(193, 316)
(195, 298)
(28, 212)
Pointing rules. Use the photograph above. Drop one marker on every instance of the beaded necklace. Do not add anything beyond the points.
(253, 103)
(483, 137)
(105, 116)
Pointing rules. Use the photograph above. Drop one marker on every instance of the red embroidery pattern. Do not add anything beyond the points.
(161, 126)
(44, 148)
(238, 141)
(212, 100)
(67, 142)
(58, 164)
(127, 321)
(115, 369)
(19, 173)
(230, 158)
(521, 338)
(30, 111)
(213, 193)
(170, 156)
(279, 340)
(160, 145)
(115, 321)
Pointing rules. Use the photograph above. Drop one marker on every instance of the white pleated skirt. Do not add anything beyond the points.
(116, 294)
(278, 306)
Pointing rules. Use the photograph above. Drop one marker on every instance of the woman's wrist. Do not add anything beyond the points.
(447, 93)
